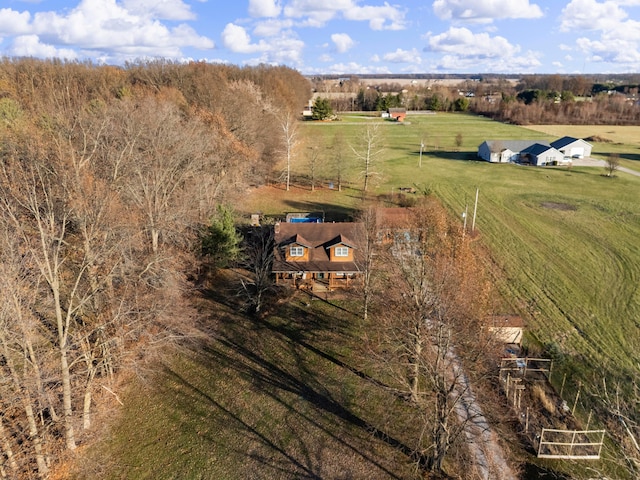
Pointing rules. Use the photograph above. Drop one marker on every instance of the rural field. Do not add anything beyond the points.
(290, 394)
(621, 139)
(563, 242)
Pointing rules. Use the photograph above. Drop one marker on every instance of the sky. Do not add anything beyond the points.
(335, 36)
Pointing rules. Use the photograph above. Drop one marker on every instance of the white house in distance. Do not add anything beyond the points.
(505, 151)
(573, 147)
(541, 155)
(534, 152)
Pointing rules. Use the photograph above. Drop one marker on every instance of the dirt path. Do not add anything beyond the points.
(489, 460)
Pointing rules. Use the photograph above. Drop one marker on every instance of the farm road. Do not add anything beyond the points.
(594, 162)
(489, 459)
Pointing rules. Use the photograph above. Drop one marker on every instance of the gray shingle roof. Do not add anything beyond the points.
(516, 145)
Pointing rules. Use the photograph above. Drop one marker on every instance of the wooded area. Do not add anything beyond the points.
(534, 99)
(109, 176)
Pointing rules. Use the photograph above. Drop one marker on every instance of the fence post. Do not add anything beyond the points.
(573, 410)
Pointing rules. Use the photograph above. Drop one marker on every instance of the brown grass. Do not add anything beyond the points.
(628, 134)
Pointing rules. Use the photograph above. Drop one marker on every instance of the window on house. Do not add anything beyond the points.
(296, 251)
(342, 251)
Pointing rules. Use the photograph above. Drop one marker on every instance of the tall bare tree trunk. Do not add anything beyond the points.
(25, 396)
(414, 367)
(36, 370)
(6, 449)
(65, 372)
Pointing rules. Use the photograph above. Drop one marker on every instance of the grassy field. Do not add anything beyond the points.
(281, 397)
(564, 242)
(289, 395)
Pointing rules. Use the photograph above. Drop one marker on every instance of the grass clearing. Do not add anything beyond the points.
(273, 398)
(287, 396)
(573, 272)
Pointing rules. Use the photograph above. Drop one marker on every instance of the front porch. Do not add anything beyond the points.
(317, 281)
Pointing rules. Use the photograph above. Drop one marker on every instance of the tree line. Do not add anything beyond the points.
(108, 179)
(534, 99)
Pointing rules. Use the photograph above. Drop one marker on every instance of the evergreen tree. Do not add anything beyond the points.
(322, 109)
(221, 240)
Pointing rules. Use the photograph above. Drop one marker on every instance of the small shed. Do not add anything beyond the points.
(398, 114)
(507, 328)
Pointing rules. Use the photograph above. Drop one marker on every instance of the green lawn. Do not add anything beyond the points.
(565, 243)
(276, 398)
(288, 396)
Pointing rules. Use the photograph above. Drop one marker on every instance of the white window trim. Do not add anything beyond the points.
(296, 251)
(342, 252)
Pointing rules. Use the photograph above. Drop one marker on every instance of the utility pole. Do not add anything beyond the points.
(464, 215)
(475, 209)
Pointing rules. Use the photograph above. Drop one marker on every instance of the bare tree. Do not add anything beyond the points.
(338, 161)
(612, 164)
(34, 203)
(313, 164)
(367, 151)
(458, 141)
(258, 259)
(432, 327)
(289, 126)
(20, 364)
(369, 243)
(159, 174)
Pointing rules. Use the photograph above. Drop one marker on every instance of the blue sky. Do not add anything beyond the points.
(335, 36)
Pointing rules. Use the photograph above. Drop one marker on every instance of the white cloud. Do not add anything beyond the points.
(353, 67)
(271, 27)
(403, 56)
(30, 46)
(386, 17)
(160, 9)
(105, 29)
(454, 63)
(591, 15)
(557, 64)
(13, 22)
(619, 36)
(316, 13)
(613, 51)
(485, 10)
(325, 58)
(284, 48)
(342, 41)
(236, 39)
(466, 51)
(463, 42)
(264, 8)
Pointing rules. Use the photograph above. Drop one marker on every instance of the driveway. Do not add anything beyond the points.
(594, 162)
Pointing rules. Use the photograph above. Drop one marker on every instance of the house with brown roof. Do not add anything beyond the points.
(317, 256)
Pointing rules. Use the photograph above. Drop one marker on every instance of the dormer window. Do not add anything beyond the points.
(295, 251)
(342, 251)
